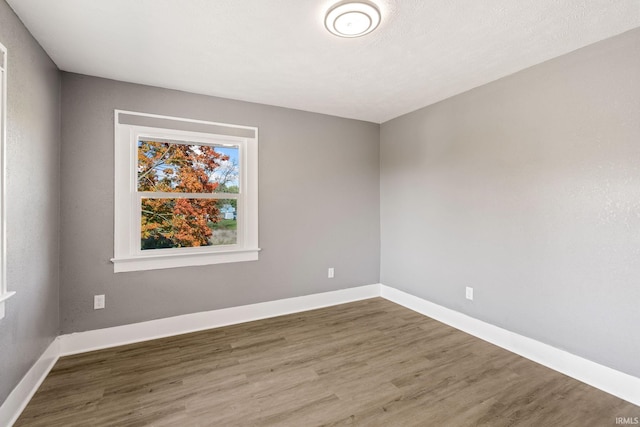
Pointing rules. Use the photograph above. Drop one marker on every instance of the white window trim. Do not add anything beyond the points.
(4, 292)
(127, 253)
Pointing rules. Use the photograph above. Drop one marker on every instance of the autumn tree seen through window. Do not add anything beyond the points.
(188, 194)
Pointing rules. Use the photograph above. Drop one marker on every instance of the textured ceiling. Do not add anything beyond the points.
(278, 52)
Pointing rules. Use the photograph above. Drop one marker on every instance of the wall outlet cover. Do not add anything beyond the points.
(469, 293)
(98, 302)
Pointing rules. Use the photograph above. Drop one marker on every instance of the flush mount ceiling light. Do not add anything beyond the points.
(352, 19)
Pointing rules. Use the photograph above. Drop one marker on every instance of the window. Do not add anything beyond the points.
(4, 293)
(186, 192)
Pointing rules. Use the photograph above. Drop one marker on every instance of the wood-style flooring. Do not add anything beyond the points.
(367, 363)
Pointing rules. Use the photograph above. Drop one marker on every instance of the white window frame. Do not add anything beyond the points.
(128, 255)
(4, 292)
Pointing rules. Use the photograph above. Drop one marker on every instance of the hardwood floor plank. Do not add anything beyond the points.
(368, 363)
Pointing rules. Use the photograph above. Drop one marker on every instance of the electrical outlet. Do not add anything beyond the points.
(98, 302)
(330, 273)
(469, 293)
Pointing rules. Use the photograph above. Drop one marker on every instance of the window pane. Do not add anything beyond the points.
(181, 223)
(170, 166)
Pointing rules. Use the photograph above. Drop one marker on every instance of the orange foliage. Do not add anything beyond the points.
(177, 168)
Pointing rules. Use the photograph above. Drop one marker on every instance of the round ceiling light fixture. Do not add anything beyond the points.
(352, 19)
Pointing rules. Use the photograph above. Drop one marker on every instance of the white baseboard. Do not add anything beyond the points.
(27, 387)
(81, 342)
(614, 382)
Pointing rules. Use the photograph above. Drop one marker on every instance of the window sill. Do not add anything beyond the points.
(3, 298)
(155, 262)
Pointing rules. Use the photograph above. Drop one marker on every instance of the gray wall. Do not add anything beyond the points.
(319, 208)
(33, 169)
(528, 190)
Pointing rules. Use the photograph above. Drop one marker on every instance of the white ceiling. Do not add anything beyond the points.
(278, 52)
